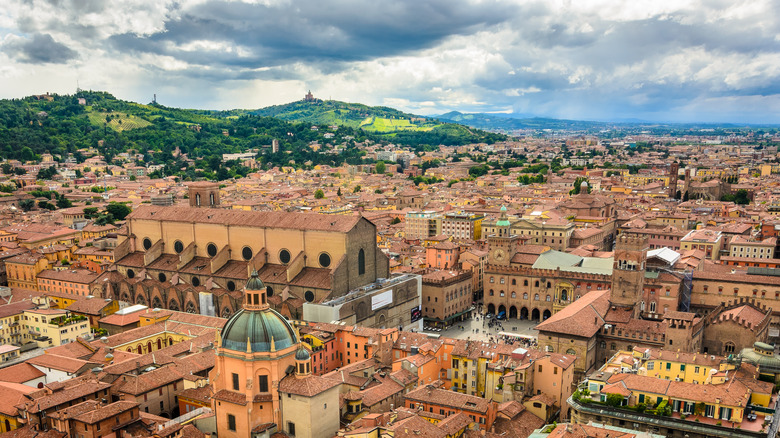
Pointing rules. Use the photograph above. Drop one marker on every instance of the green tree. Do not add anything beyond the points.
(90, 212)
(380, 167)
(357, 189)
(396, 220)
(614, 400)
(477, 171)
(118, 210)
(27, 204)
(46, 204)
(339, 192)
(63, 202)
(319, 194)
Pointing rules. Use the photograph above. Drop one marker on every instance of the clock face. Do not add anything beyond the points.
(498, 254)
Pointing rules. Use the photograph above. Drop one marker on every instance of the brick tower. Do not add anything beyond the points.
(628, 273)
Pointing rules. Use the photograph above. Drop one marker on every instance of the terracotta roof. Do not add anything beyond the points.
(15, 308)
(584, 317)
(306, 386)
(108, 411)
(230, 397)
(61, 363)
(442, 397)
(20, 373)
(12, 395)
(264, 219)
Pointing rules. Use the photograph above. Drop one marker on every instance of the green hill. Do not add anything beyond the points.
(386, 123)
(74, 125)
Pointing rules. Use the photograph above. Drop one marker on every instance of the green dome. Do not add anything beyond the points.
(302, 354)
(254, 282)
(259, 326)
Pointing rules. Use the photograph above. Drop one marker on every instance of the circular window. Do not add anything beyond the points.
(195, 281)
(324, 260)
(178, 247)
(284, 256)
(130, 273)
(162, 276)
(269, 291)
(231, 286)
(309, 295)
(246, 253)
(147, 242)
(211, 249)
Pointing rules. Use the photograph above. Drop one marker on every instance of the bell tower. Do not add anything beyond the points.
(628, 272)
(503, 245)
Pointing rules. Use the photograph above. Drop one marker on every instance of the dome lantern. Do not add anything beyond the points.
(255, 297)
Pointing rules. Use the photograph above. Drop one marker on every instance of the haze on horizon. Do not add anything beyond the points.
(666, 60)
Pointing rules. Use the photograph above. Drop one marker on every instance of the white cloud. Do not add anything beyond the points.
(557, 58)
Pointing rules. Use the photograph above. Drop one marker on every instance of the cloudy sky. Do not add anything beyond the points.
(660, 60)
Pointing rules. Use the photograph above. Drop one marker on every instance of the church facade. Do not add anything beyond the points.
(195, 259)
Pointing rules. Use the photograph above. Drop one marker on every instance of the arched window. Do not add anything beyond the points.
(549, 298)
(361, 262)
(729, 347)
(525, 295)
(564, 296)
(536, 297)
(159, 343)
(549, 285)
(514, 282)
(197, 199)
(536, 283)
(571, 352)
(211, 199)
(652, 306)
(525, 282)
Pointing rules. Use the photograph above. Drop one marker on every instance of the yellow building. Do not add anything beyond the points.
(53, 327)
(23, 270)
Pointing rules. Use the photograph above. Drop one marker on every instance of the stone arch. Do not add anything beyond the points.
(513, 312)
(535, 315)
(501, 308)
(156, 303)
(382, 320)
(361, 312)
(546, 314)
(491, 308)
(524, 313)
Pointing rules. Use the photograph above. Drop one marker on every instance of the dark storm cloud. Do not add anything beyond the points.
(312, 30)
(40, 49)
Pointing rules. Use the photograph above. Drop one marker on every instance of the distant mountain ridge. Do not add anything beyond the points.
(514, 122)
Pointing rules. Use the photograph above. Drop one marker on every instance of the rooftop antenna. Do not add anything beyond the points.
(154, 100)
(78, 89)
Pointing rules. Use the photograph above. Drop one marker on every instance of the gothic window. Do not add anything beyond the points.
(173, 305)
(361, 262)
(652, 306)
(525, 295)
(191, 308)
(156, 303)
(729, 347)
(226, 312)
(536, 297)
